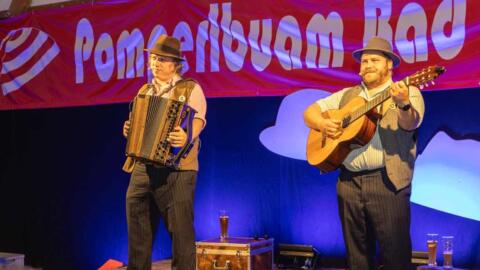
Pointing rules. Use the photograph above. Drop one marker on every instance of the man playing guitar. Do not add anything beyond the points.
(374, 184)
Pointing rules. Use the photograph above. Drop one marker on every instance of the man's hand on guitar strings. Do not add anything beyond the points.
(331, 128)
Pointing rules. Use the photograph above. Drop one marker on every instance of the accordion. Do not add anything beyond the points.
(152, 119)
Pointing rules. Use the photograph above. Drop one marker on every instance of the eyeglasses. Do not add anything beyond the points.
(159, 58)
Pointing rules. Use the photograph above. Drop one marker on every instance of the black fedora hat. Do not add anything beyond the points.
(167, 46)
(381, 45)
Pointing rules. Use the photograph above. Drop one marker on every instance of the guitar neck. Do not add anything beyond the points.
(379, 99)
(419, 79)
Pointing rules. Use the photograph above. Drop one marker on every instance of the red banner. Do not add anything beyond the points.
(94, 53)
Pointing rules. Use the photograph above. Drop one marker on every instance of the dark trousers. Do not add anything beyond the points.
(155, 191)
(370, 211)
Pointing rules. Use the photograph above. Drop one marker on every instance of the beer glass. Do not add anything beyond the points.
(432, 243)
(447, 251)
(223, 218)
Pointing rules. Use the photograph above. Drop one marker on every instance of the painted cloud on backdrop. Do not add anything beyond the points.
(446, 177)
(288, 137)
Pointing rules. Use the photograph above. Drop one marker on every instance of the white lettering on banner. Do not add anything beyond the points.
(130, 57)
(104, 57)
(324, 37)
(157, 31)
(451, 12)
(83, 47)
(202, 38)
(289, 30)
(261, 54)
(232, 30)
(183, 33)
(212, 36)
(377, 15)
(130, 47)
(412, 16)
(287, 46)
(319, 29)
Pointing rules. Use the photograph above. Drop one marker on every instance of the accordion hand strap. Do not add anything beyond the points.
(182, 92)
(128, 165)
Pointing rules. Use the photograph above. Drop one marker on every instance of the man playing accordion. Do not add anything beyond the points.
(168, 189)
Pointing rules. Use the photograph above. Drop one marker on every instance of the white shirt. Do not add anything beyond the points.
(197, 99)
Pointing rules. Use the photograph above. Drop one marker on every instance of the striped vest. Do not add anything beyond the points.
(399, 145)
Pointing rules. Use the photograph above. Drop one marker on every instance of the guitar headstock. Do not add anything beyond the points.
(426, 75)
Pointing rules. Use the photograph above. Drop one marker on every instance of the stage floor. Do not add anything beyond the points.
(165, 265)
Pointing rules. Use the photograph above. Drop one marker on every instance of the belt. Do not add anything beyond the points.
(345, 171)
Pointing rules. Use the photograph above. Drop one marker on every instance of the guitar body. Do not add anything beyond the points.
(326, 153)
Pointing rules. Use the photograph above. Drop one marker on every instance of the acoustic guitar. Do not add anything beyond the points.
(358, 123)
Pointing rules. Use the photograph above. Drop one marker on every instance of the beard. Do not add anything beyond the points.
(374, 78)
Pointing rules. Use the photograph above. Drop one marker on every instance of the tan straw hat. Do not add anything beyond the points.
(167, 46)
(381, 45)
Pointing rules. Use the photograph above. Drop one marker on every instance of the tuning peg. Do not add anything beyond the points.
(421, 86)
(426, 84)
(433, 83)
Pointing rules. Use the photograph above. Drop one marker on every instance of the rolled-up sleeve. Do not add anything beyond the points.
(416, 99)
(198, 102)
(332, 102)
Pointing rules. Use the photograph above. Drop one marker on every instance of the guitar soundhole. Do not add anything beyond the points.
(346, 121)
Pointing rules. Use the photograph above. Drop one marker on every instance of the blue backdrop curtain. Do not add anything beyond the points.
(62, 191)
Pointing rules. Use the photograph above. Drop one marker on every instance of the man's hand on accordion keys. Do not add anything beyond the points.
(178, 137)
(126, 128)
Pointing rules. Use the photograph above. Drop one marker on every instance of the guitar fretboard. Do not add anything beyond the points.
(419, 78)
(384, 95)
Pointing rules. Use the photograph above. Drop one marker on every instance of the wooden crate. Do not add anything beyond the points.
(235, 253)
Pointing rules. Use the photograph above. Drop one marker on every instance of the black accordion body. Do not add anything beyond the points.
(152, 119)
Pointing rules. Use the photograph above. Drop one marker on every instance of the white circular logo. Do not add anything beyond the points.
(24, 53)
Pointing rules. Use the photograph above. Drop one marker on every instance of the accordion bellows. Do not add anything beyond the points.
(152, 119)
